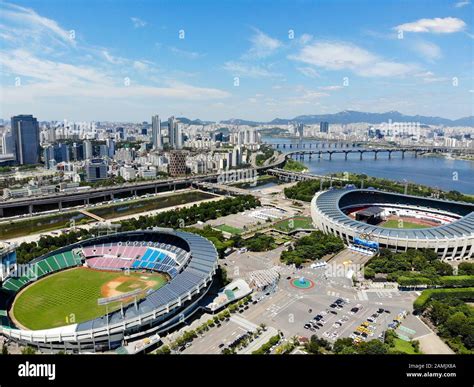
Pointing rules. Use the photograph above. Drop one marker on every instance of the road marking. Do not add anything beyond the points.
(362, 295)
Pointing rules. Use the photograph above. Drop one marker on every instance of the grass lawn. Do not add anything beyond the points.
(294, 223)
(294, 166)
(394, 223)
(229, 229)
(404, 346)
(49, 302)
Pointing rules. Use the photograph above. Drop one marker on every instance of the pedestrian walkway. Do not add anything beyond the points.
(244, 323)
(91, 215)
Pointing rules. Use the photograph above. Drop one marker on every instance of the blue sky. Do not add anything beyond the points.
(124, 60)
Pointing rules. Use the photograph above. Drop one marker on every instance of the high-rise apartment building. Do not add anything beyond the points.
(156, 133)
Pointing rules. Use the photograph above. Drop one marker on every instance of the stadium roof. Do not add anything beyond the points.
(330, 204)
(370, 211)
(202, 263)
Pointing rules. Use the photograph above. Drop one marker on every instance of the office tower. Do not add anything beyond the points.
(7, 143)
(110, 144)
(88, 154)
(179, 136)
(96, 169)
(54, 154)
(121, 132)
(324, 127)
(52, 135)
(156, 132)
(25, 133)
(77, 152)
(103, 151)
(175, 134)
(177, 163)
(171, 132)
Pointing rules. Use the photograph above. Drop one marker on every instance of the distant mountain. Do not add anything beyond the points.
(346, 117)
(465, 121)
(237, 121)
(350, 116)
(197, 121)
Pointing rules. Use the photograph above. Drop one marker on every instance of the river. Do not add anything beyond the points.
(438, 172)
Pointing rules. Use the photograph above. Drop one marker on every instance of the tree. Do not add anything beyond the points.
(457, 324)
(342, 343)
(28, 351)
(466, 268)
(372, 347)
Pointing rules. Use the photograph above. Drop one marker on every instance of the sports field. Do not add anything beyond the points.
(229, 229)
(71, 296)
(394, 223)
(294, 224)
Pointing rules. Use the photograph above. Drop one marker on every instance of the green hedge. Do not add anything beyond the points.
(462, 293)
(413, 281)
(460, 281)
(448, 281)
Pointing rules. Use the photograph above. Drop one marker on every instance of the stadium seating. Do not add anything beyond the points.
(159, 256)
(39, 269)
(162, 257)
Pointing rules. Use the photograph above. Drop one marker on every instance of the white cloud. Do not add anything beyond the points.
(26, 23)
(186, 54)
(305, 96)
(331, 87)
(334, 56)
(137, 22)
(46, 78)
(437, 25)
(462, 3)
(346, 56)
(250, 71)
(427, 50)
(305, 39)
(308, 72)
(111, 58)
(429, 77)
(386, 69)
(262, 46)
(142, 65)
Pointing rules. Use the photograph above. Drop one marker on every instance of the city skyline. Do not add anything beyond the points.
(219, 62)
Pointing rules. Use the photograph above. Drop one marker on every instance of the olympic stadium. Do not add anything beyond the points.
(96, 294)
(370, 219)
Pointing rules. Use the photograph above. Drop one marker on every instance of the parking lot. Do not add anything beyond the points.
(330, 308)
(290, 308)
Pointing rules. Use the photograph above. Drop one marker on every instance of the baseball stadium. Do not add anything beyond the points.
(368, 219)
(96, 294)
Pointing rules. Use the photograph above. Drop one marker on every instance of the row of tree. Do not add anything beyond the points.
(312, 247)
(178, 218)
(415, 265)
(347, 346)
(305, 190)
(454, 320)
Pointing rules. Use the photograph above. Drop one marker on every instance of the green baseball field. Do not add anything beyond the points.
(394, 223)
(71, 296)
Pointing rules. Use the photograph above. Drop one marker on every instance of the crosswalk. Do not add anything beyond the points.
(244, 323)
(362, 296)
